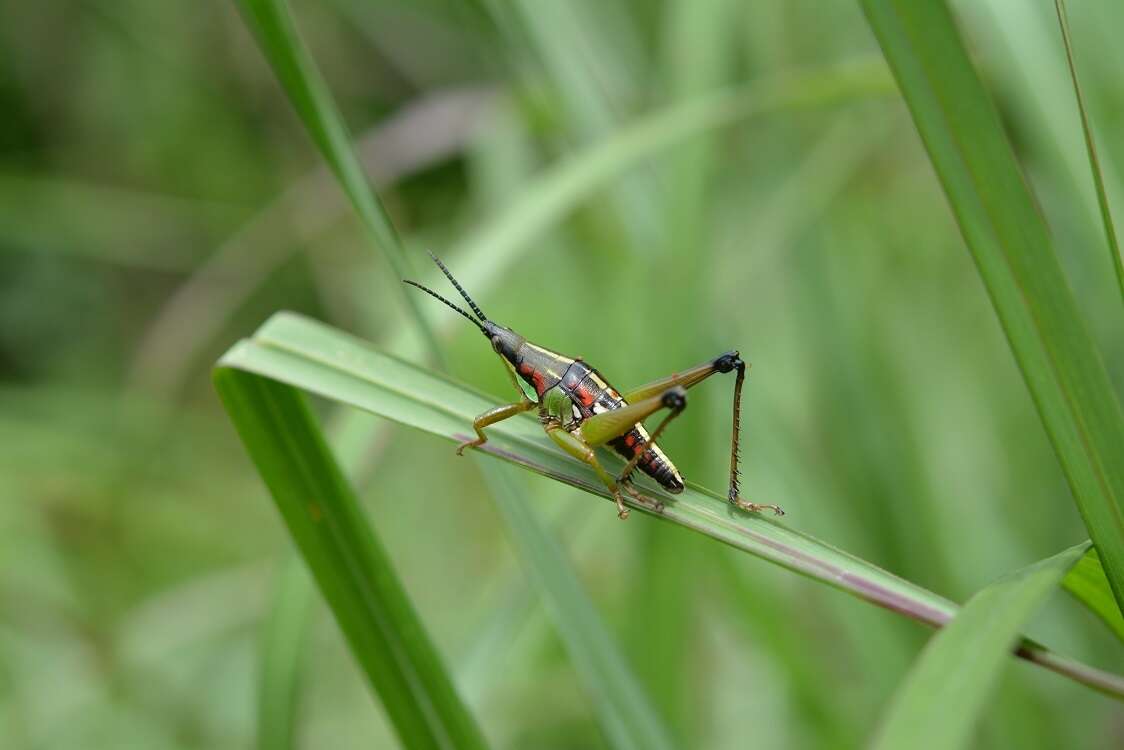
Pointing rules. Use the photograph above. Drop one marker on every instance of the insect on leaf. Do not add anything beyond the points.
(308, 355)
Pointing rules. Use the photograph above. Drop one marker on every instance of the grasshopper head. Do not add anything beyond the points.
(505, 341)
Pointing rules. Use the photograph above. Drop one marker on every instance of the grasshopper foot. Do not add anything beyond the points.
(622, 509)
(468, 444)
(655, 505)
(755, 507)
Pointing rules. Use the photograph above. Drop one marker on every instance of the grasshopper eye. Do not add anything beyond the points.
(497, 344)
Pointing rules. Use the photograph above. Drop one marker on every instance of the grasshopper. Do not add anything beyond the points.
(580, 411)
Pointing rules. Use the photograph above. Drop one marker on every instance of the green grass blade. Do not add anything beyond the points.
(1015, 257)
(1091, 149)
(329, 363)
(347, 561)
(293, 222)
(623, 708)
(945, 690)
(277, 35)
(1087, 583)
(283, 646)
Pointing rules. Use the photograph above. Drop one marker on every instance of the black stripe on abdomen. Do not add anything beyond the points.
(653, 463)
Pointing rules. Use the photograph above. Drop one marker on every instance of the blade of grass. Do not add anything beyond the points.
(193, 316)
(335, 365)
(283, 647)
(624, 709)
(1091, 148)
(1013, 251)
(277, 36)
(945, 691)
(347, 561)
(1087, 583)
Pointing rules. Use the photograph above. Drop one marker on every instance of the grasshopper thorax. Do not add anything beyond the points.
(539, 368)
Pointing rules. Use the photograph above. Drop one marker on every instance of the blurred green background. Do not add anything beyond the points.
(159, 199)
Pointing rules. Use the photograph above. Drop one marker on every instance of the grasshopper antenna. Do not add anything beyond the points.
(432, 293)
(449, 276)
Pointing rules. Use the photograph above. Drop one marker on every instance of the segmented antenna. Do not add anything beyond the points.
(449, 276)
(430, 292)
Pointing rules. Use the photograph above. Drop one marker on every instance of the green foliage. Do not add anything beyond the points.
(946, 690)
(621, 703)
(1091, 149)
(348, 562)
(283, 648)
(623, 707)
(273, 25)
(1015, 256)
(306, 355)
(1087, 582)
(644, 184)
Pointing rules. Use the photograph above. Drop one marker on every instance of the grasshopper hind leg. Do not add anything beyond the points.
(725, 363)
(625, 483)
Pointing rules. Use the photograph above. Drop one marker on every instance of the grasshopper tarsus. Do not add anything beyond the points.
(655, 505)
(756, 507)
(469, 444)
(622, 509)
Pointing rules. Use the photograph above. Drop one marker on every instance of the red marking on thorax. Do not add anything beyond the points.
(527, 369)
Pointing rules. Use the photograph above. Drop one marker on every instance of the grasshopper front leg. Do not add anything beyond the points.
(497, 414)
(492, 416)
